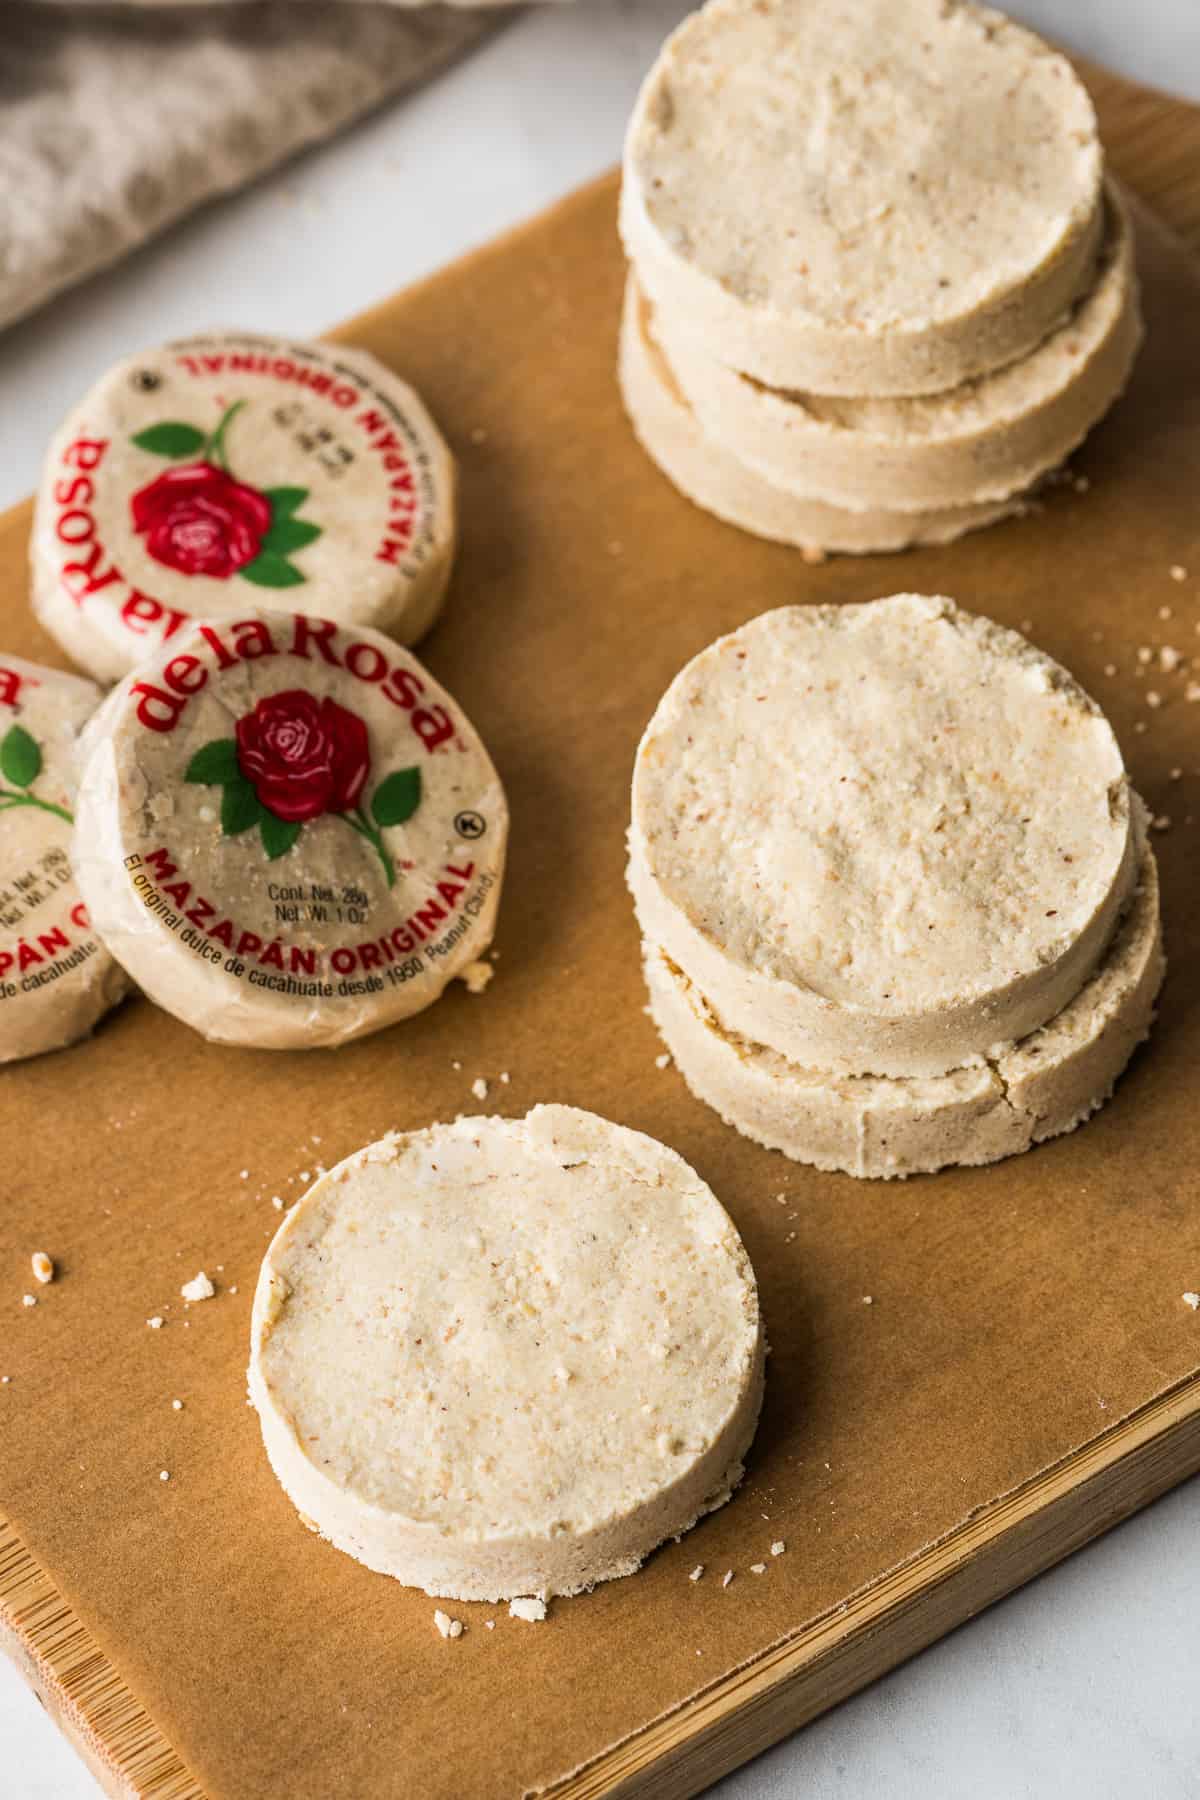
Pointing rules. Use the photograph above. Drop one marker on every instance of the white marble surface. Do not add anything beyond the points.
(1087, 1683)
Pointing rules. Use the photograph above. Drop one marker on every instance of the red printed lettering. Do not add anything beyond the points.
(253, 639)
(89, 568)
(85, 453)
(10, 686)
(434, 726)
(77, 492)
(318, 632)
(212, 639)
(367, 661)
(141, 611)
(185, 674)
(157, 710)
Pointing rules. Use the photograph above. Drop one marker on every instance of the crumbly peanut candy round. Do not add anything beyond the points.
(984, 440)
(223, 473)
(884, 1127)
(711, 476)
(507, 1356)
(56, 978)
(883, 198)
(287, 831)
(881, 839)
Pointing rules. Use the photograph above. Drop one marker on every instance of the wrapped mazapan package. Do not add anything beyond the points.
(56, 978)
(216, 475)
(288, 833)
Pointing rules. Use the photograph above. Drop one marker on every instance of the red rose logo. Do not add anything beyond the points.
(199, 520)
(295, 759)
(303, 756)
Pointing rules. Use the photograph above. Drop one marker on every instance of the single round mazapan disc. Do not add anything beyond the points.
(288, 833)
(884, 197)
(56, 978)
(224, 473)
(507, 1356)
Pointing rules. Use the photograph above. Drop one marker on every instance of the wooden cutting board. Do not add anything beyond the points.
(1026, 1373)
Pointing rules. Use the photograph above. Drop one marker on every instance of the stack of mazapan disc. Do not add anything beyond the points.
(880, 288)
(897, 903)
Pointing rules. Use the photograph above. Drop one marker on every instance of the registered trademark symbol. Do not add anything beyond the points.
(470, 824)
(146, 379)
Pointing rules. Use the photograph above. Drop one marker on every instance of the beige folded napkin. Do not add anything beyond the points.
(119, 119)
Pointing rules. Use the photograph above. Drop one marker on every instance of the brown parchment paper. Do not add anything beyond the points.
(1016, 1311)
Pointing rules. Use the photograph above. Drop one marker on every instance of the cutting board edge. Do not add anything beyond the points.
(988, 1557)
(103, 1720)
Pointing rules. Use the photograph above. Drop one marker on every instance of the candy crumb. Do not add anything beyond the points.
(697, 1572)
(476, 976)
(530, 1608)
(663, 1061)
(198, 1288)
(479, 1088)
(1192, 1300)
(42, 1266)
(28, 1300)
(778, 1547)
(449, 1628)
(157, 1322)
(758, 1568)
(726, 1578)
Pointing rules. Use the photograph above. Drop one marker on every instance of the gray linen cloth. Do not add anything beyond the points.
(117, 120)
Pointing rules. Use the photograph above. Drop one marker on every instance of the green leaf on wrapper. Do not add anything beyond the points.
(215, 763)
(240, 807)
(289, 534)
(272, 571)
(278, 835)
(397, 797)
(284, 501)
(20, 758)
(172, 438)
